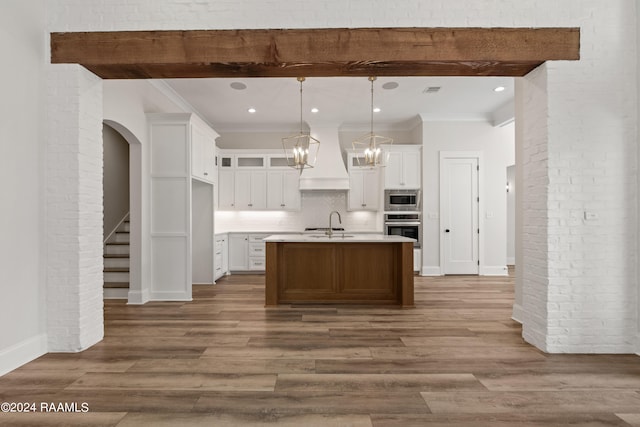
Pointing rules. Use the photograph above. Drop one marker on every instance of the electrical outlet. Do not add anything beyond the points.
(590, 216)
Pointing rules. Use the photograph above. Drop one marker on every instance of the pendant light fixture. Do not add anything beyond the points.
(369, 144)
(301, 150)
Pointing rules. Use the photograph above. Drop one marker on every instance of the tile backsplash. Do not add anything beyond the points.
(316, 206)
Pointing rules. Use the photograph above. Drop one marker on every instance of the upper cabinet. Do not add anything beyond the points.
(257, 180)
(364, 185)
(250, 190)
(283, 190)
(203, 145)
(403, 169)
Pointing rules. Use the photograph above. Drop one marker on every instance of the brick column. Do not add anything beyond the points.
(74, 209)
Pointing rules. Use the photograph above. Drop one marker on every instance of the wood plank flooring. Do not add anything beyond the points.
(457, 359)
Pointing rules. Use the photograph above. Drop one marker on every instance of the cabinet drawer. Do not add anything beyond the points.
(257, 263)
(257, 249)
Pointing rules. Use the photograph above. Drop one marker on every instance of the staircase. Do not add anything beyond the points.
(116, 263)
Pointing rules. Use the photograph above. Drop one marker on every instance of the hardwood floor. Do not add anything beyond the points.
(457, 359)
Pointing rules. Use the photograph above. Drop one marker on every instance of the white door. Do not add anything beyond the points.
(459, 213)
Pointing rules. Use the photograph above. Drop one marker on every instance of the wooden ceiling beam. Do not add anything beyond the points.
(316, 52)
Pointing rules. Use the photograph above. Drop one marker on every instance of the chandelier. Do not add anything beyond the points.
(369, 144)
(301, 150)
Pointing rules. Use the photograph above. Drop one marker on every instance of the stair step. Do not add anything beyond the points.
(116, 269)
(120, 237)
(119, 285)
(116, 256)
(116, 276)
(116, 263)
(117, 243)
(117, 249)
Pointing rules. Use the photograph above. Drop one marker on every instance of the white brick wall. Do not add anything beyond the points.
(534, 199)
(580, 280)
(74, 209)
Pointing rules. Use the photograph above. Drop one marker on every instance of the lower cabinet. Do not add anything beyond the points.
(221, 256)
(246, 252)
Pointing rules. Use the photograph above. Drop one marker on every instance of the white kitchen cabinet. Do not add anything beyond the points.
(246, 252)
(238, 252)
(250, 189)
(221, 255)
(257, 252)
(364, 190)
(181, 205)
(226, 189)
(253, 161)
(283, 190)
(202, 153)
(403, 168)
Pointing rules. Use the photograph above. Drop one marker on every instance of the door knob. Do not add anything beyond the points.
(447, 230)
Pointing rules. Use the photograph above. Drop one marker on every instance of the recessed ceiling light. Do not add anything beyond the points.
(376, 110)
(314, 110)
(251, 110)
(499, 89)
(390, 85)
(238, 86)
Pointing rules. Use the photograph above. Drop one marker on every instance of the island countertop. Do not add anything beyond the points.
(338, 238)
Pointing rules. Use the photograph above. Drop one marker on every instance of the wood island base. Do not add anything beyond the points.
(332, 273)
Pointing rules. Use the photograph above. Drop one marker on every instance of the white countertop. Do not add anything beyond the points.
(338, 238)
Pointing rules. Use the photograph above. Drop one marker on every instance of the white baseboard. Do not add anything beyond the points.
(170, 296)
(21, 353)
(494, 270)
(138, 297)
(115, 293)
(511, 261)
(518, 313)
(431, 271)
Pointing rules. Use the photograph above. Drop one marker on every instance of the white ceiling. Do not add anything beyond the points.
(344, 101)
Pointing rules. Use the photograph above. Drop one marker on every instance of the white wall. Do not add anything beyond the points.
(498, 151)
(580, 294)
(115, 180)
(22, 256)
(511, 215)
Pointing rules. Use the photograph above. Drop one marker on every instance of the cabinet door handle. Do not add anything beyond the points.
(282, 205)
(206, 174)
(364, 204)
(249, 204)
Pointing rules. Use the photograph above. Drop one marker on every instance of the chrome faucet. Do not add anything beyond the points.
(330, 231)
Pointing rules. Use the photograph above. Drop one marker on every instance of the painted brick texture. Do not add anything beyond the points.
(74, 209)
(580, 280)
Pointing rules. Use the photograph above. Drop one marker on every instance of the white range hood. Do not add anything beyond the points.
(329, 172)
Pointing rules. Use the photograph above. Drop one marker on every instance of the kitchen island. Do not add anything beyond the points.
(342, 268)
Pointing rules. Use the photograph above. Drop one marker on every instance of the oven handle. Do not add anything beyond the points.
(401, 223)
